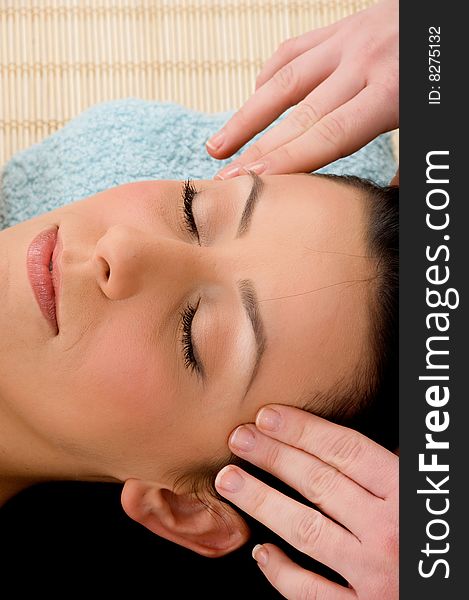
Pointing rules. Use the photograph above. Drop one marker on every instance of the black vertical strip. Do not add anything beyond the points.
(425, 128)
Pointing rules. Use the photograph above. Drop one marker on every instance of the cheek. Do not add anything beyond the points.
(133, 408)
(122, 376)
(120, 392)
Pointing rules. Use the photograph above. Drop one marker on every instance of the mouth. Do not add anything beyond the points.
(44, 276)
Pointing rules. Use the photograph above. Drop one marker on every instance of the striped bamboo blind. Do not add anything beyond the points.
(58, 57)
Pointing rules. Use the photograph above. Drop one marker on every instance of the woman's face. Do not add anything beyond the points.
(169, 338)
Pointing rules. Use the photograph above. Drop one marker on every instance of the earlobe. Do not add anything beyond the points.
(212, 529)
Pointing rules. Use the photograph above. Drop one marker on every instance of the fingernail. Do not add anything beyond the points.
(243, 439)
(228, 172)
(260, 555)
(258, 168)
(269, 419)
(216, 141)
(229, 480)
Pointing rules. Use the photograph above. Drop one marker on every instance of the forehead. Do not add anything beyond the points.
(321, 209)
(307, 207)
(314, 291)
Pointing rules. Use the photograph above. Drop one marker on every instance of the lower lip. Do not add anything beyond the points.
(38, 258)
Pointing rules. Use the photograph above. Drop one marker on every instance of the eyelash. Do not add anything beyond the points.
(187, 316)
(188, 195)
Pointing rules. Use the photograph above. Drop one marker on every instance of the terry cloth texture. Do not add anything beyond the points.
(129, 140)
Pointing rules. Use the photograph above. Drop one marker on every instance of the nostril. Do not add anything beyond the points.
(105, 268)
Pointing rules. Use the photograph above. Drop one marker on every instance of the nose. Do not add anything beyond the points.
(126, 260)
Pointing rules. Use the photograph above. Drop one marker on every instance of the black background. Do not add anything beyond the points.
(61, 538)
(424, 128)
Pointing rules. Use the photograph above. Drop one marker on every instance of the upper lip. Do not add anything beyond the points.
(57, 275)
(44, 248)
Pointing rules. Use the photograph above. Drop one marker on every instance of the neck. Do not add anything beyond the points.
(16, 447)
(23, 463)
(26, 458)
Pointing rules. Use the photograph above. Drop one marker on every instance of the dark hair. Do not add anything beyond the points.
(374, 407)
(369, 401)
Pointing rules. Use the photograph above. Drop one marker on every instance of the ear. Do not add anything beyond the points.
(211, 529)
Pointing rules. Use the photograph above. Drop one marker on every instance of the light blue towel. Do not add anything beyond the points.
(132, 140)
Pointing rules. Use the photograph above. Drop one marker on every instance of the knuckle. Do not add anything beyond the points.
(346, 449)
(261, 75)
(275, 567)
(286, 79)
(331, 130)
(308, 589)
(284, 47)
(259, 501)
(320, 482)
(307, 531)
(288, 49)
(390, 539)
(369, 47)
(272, 457)
(242, 118)
(253, 152)
(282, 156)
(305, 116)
(386, 94)
(384, 91)
(303, 434)
(391, 543)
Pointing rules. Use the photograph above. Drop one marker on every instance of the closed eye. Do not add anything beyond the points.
(188, 194)
(191, 357)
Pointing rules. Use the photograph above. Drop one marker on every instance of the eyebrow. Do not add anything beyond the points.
(253, 198)
(251, 306)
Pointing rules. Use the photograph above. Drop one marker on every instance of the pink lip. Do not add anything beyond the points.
(45, 285)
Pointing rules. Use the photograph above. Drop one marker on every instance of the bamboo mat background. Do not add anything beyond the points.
(58, 57)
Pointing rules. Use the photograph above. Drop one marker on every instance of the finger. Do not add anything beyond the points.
(286, 88)
(291, 48)
(292, 581)
(338, 134)
(304, 528)
(337, 89)
(332, 492)
(350, 452)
